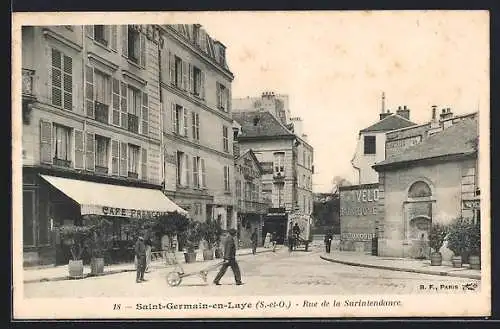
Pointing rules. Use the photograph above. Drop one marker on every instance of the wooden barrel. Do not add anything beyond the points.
(474, 263)
(436, 259)
(456, 261)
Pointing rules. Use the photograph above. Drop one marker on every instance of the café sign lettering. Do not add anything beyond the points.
(362, 202)
(130, 213)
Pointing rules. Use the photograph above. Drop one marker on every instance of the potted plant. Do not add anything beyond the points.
(457, 240)
(192, 237)
(436, 239)
(172, 225)
(77, 238)
(211, 232)
(98, 242)
(474, 246)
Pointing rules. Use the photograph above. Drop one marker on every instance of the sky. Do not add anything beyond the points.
(335, 65)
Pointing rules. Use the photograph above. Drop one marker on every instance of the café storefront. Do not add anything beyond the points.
(123, 207)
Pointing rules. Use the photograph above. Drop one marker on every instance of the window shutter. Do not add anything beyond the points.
(185, 75)
(123, 159)
(228, 106)
(186, 118)
(218, 96)
(124, 31)
(45, 142)
(143, 50)
(123, 106)
(188, 170)
(202, 85)
(56, 78)
(145, 115)
(89, 91)
(89, 31)
(144, 162)
(115, 157)
(115, 96)
(191, 78)
(90, 152)
(68, 83)
(174, 118)
(193, 119)
(195, 172)
(171, 65)
(164, 113)
(203, 174)
(114, 37)
(79, 149)
(225, 178)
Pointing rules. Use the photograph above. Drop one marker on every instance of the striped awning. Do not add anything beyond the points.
(113, 200)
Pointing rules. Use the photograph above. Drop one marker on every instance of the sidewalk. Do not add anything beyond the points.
(58, 273)
(400, 264)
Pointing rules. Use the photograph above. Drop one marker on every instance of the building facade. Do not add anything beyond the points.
(91, 113)
(198, 162)
(429, 179)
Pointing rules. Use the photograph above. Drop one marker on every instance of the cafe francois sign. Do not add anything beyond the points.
(120, 212)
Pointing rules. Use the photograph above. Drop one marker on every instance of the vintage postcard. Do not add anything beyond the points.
(251, 164)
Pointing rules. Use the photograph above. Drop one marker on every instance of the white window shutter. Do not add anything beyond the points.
(203, 174)
(185, 75)
(186, 121)
(46, 142)
(115, 157)
(188, 170)
(123, 160)
(143, 50)
(90, 152)
(145, 115)
(89, 91)
(113, 37)
(124, 35)
(79, 149)
(174, 118)
(115, 100)
(191, 78)
(123, 105)
(144, 164)
(89, 31)
(202, 85)
(171, 65)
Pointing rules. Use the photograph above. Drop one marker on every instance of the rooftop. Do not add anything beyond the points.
(260, 124)
(458, 139)
(391, 122)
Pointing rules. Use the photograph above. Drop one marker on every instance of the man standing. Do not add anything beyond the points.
(290, 238)
(140, 253)
(253, 238)
(328, 241)
(229, 259)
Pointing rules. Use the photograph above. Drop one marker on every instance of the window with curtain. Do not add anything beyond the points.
(102, 87)
(134, 101)
(62, 142)
(133, 158)
(102, 144)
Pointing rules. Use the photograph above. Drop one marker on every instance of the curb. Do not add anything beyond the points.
(402, 269)
(63, 278)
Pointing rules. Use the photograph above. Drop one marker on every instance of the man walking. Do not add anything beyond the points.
(328, 241)
(290, 238)
(140, 253)
(253, 238)
(229, 259)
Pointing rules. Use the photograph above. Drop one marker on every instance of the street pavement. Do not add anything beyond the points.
(266, 274)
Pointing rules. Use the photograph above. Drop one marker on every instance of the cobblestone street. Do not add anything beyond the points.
(279, 273)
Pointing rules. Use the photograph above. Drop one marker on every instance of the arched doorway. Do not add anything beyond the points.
(418, 219)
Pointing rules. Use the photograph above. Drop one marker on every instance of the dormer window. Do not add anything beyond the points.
(370, 146)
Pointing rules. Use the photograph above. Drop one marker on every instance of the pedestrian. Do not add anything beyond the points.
(229, 260)
(273, 241)
(140, 253)
(253, 238)
(328, 241)
(267, 240)
(290, 238)
(149, 247)
(296, 230)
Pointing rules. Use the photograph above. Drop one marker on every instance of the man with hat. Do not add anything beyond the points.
(140, 253)
(229, 259)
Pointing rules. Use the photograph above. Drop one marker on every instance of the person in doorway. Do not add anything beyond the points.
(328, 241)
(140, 253)
(253, 238)
(229, 260)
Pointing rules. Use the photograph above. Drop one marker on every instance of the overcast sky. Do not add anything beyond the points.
(335, 65)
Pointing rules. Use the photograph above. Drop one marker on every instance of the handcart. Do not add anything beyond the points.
(174, 278)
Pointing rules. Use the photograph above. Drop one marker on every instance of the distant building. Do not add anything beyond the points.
(429, 176)
(370, 148)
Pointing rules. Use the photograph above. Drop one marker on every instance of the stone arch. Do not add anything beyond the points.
(420, 189)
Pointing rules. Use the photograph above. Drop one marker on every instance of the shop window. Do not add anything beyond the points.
(419, 190)
(370, 145)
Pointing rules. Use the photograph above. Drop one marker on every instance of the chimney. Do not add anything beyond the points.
(434, 108)
(445, 114)
(404, 112)
(386, 114)
(383, 113)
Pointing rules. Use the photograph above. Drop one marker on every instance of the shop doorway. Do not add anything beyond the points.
(275, 224)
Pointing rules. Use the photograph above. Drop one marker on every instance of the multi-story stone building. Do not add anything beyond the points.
(91, 131)
(197, 131)
(287, 162)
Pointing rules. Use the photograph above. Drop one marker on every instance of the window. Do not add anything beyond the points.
(238, 189)
(182, 169)
(102, 88)
(180, 120)
(279, 162)
(304, 181)
(227, 187)
(197, 172)
(197, 81)
(370, 145)
(134, 109)
(222, 97)
(100, 34)
(102, 155)
(61, 142)
(133, 161)
(304, 158)
(196, 126)
(196, 34)
(178, 72)
(225, 138)
(419, 189)
(62, 80)
(134, 45)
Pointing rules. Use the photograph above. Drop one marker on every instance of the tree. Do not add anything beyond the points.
(337, 183)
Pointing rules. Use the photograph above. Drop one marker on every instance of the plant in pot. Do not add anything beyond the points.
(474, 246)
(98, 243)
(192, 237)
(457, 240)
(211, 232)
(437, 235)
(77, 239)
(172, 225)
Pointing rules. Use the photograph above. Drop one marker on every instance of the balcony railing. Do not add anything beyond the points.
(133, 175)
(133, 123)
(101, 169)
(28, 79)
(101, 112)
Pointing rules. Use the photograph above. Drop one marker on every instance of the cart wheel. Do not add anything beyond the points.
(173, 279)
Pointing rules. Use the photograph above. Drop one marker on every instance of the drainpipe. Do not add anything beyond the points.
(162, 145)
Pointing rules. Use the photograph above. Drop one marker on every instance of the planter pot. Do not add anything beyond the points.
(218, 253)
(97, 266)
(436, 259)
(75, 268)
(456, 261)
(208, 254)
(190, 257)
(474, 262)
